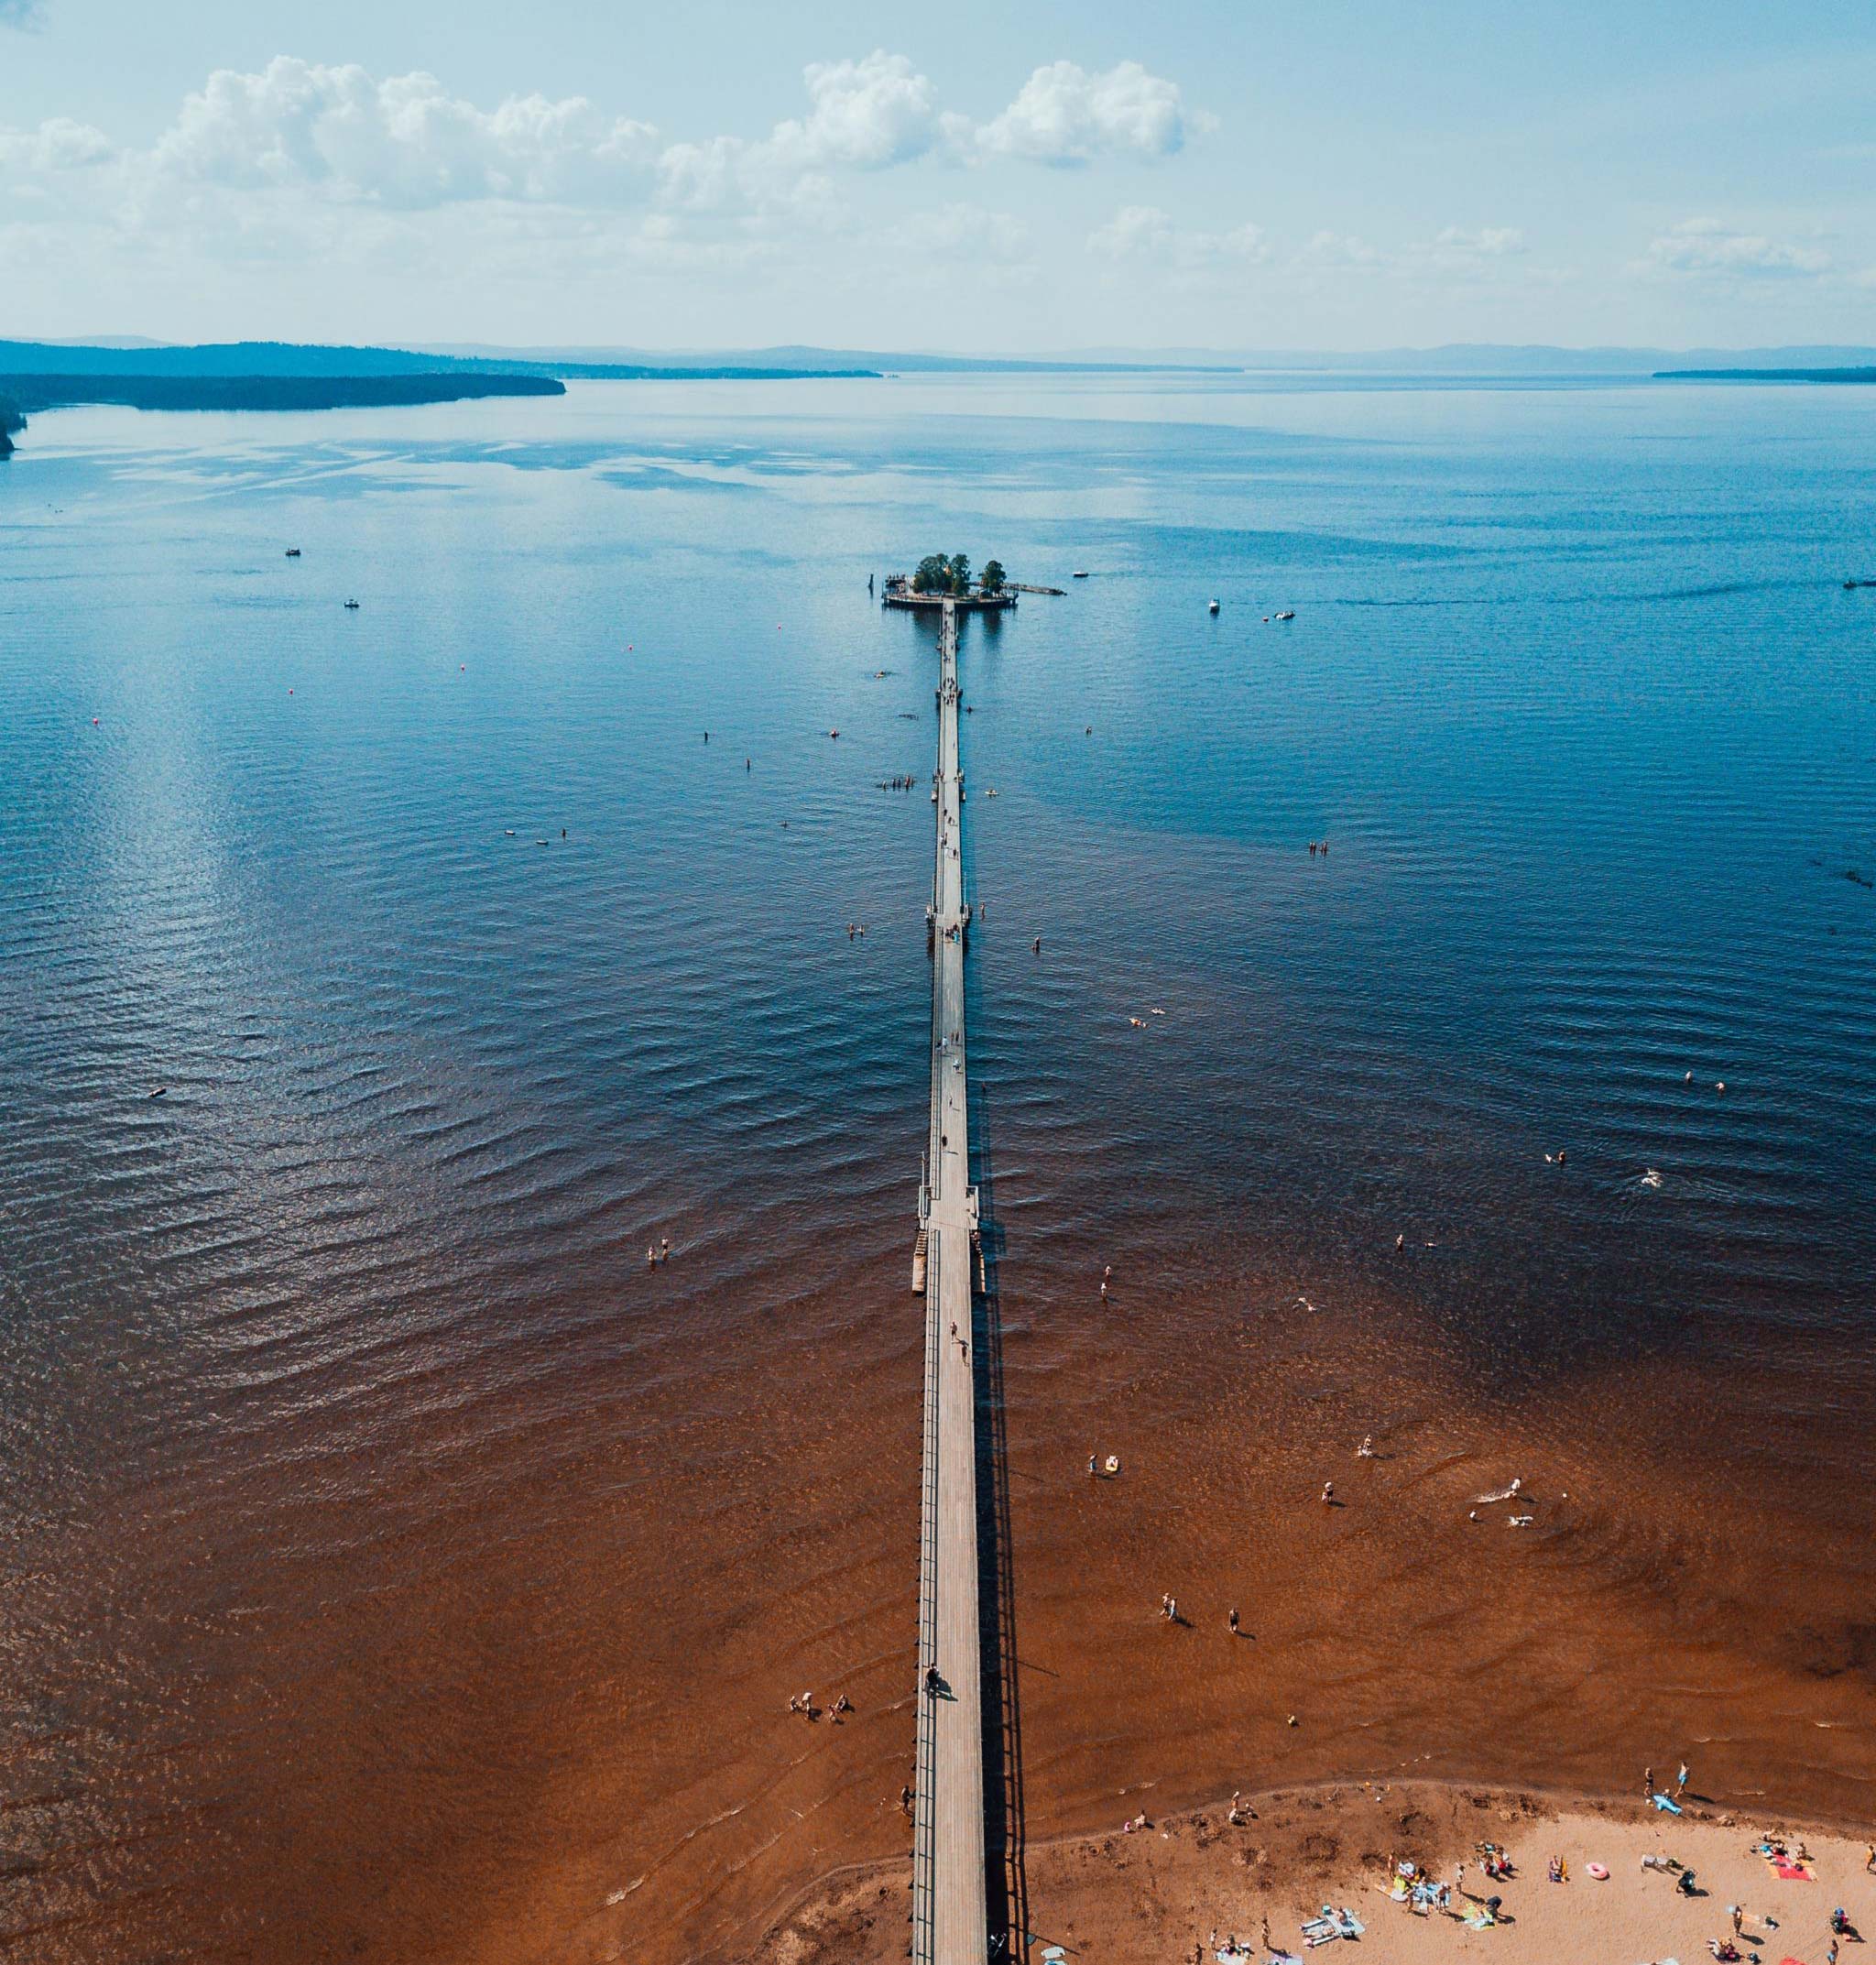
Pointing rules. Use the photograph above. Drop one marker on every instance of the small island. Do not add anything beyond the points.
(10, 422)
(941, 576)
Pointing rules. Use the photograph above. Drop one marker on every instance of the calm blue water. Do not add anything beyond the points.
(1574, 692)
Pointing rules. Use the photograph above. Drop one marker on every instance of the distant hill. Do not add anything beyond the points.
(795, 360)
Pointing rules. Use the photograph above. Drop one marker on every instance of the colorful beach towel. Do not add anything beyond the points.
(1791, 1871)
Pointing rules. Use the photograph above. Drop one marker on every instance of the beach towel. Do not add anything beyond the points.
(1790, 1872)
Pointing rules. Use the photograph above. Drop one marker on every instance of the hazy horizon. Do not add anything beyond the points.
(1077, 178)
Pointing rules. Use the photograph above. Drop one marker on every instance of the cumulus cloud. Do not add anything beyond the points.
(1062, 116)
(1134, 232)
(56, 146)
(867, 115)
(1339, 249)
(1490, 241)
(404, 142)
(1144, 235)
(1705, 245)
(970, 232)
(346, 136)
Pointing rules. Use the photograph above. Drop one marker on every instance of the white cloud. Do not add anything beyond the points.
(1705, 245)
(56, 146)
(1134, 232)
(1143, 233)
(1489, 242)
(1064, 116)
(969, 232)
(867, 115)
(1339, 249)
(19, 14)
(403, 142)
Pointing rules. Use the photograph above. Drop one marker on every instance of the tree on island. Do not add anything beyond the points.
(941, 572)
(10, 420)
(993, 576)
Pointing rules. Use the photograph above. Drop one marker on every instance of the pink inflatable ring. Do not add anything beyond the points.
(1597, 1871)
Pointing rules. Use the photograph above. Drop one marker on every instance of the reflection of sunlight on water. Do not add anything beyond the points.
(352, 1330)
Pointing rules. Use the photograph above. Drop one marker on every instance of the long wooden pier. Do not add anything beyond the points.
(949, 1904)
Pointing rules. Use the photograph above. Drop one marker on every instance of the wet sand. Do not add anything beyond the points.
(1188, 1886)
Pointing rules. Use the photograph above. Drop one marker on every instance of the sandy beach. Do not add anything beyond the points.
(1184, 1888)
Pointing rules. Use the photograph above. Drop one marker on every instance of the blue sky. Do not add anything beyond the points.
(1219, 175)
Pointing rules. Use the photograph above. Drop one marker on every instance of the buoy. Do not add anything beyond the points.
(95, 723)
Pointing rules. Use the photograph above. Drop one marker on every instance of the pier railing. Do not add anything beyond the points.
(924, 1810)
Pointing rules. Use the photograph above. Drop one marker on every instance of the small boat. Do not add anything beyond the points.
(352, 604)
(1289, 614)
(1078, 574)
(1212, 608)
(292, 552)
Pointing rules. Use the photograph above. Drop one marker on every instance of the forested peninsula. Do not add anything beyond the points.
(264, 392)
(272, 374)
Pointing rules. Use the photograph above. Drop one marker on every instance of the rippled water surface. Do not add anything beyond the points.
(397, 1567)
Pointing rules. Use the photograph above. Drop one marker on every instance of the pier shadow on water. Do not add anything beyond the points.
(1005, 1883)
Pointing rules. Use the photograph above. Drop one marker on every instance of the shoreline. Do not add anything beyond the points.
(1118, 1895)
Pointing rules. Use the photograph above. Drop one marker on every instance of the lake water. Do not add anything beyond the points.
(398, 1569)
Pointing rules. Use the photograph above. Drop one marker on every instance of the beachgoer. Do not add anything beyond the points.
(905, 1797)
(1091, 1463)
(1366, 1450)
(1106, 1272)
(1232, 1619)
(1399, 1242)
(933, 1681)
(1104, 1292)
(1648, 1784)
(1329, 1494)
(651, 1259)
(1680, 1780)
(1738, 1916)
(1039, 945)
